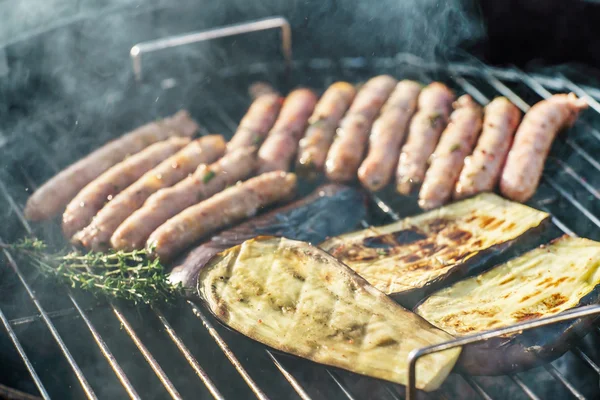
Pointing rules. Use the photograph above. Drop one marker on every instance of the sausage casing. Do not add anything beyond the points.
(482, 169)
(387, 135)
(525, 162)
(227, 207)
(94, 195)
(54, 195)
(456, 143)
(168, 202)
(323, 123)
(435, 105)
(348, 147)
(278, 150)
(257, 122)
(172, 170)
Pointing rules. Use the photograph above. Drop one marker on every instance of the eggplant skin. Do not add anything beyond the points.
(546, 281)
(413, 257)
(296, 298)
(330, 210)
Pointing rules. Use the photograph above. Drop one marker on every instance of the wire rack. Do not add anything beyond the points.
(75, 346)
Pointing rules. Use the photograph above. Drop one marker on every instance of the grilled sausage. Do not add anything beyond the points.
(322, 126)
(387, 135)
(168, 202)
(257, 122)
(456, 143)
(435, 104)
(53, 196)
(281, 144)
(526, 158)
(97, 234)
(94, 195)
(482, 168)
(227, 207)
(348, 148)
(258, 89)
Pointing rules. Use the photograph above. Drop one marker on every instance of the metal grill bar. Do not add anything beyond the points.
(515, 378)
(228, 353)
(469, 379)
(290, 378)
(15, 340)
(53, 331)
(147, 355)
(338, 381)
(97, 338)
(189, 357)
(557, 375)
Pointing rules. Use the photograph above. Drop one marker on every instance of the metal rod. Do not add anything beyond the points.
(581, 354)
(337, 380)
(557, 375)
(147, 355)
(53, 331)
(15, 340)
(526, 389)
(295, 384)
(476, 386)
(567, 195)
(228, 353)
(189, 357)
(480, 337)
(226, 31)
(121, 376)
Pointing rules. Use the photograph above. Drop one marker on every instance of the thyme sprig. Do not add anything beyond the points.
(128, 275)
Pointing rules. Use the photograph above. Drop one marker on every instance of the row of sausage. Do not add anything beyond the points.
(450, 148)
(158, 188)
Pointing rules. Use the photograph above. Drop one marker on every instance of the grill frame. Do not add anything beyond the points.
(461, 74)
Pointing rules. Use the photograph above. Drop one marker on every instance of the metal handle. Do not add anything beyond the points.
(225, 31)
(411, 392)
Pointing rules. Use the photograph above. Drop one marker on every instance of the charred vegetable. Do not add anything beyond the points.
(296, 298)
(540, 283)
(416, 255)
(311, 219)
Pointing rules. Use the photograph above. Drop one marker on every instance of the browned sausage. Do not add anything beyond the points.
(348, 148)
(323, 123)
(456, 143)
(281, 144)
(91, 199)
(168, 202)
(435, 104)
(53, 196)
(387, 135)
(97, 234)
(227, 207)
(482, 168)
(257, 122)
(258, 89)
(526, 158)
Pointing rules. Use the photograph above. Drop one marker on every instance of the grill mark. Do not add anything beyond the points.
(437, 225)
(545, 281)
(527, 297)
(485, 221)
(525, 315)
(459, 236)
(555, 300)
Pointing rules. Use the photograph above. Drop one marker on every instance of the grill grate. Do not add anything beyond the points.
(212, 353)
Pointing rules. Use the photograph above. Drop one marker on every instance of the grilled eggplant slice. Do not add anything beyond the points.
(298, 299)
(540, 283)
(417, 255)
(330, 210)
